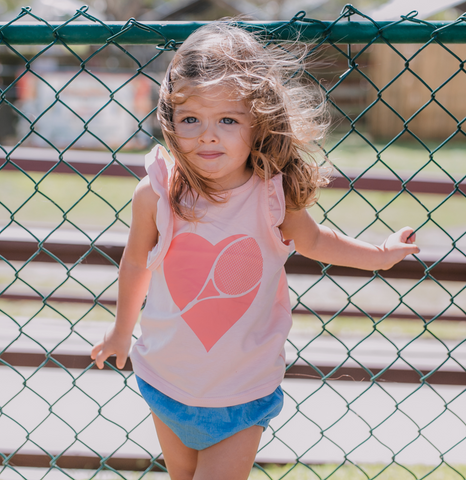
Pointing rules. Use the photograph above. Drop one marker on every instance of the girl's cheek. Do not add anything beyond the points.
(188, 131)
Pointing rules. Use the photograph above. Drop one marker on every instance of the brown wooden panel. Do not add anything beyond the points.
(84, 462)
(383, 184)
(357, 374)
(408, 268)
(370, 181)
(81, 362)
(85, 168)
(68, 253)
(71, 253)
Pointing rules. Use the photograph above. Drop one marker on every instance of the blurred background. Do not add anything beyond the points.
(57, 65)
(158, 10)
(75, 123)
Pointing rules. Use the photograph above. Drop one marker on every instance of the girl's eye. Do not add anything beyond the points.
(190, 120)
(228, 121)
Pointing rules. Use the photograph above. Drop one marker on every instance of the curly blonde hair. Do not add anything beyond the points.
(289, 117)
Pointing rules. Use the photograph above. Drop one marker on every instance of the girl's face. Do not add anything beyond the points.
(215, 133)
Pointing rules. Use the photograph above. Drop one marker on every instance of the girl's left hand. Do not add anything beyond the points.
(397, 246)
(114, 343)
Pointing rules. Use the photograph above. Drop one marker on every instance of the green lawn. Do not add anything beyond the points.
(45, 201)
(360, 472)
(356, 154)
(354, 212)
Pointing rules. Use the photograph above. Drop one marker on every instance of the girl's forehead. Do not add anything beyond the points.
(186, 90)
(218, 96)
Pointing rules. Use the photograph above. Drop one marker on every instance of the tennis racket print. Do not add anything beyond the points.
(213, 285)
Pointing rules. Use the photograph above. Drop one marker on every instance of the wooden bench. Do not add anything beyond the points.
(17, 245)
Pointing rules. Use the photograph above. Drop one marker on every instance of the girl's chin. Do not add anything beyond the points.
(212, 174)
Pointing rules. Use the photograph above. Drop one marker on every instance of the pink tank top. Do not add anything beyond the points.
(218, 312)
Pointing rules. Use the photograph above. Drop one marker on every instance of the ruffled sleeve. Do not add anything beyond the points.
(159, 166)
(277, 209)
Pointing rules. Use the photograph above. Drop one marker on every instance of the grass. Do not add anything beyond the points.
(286, 472)
(354, 212)
(359, 472)
(38, 200)
(408, 157)
(41, 473)
(344, 327)
(72, 312)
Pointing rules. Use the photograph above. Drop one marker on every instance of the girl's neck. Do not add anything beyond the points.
(224, 184)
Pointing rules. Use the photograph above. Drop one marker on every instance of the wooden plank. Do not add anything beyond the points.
(85, 462)
(358, 374)
(70, 253)
(389, 183)
(408, 95)
(26, 248)
(453, 270)
(94, 162)
(84, 161)
(79, 361)
(113, 169)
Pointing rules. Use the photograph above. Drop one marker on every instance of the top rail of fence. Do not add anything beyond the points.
(407, 30)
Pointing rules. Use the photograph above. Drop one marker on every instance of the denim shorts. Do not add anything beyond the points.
(202, 427)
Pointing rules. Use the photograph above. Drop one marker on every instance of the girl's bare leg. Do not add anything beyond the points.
(181, 461)
(230, 459)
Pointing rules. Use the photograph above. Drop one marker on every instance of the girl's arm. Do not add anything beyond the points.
(328, 246)
(133, 277)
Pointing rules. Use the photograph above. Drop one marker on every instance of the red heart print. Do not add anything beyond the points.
(233, 268)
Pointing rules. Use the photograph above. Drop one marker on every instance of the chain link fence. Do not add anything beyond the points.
(376, 380)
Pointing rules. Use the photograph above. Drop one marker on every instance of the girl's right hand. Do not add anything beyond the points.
(114, 343)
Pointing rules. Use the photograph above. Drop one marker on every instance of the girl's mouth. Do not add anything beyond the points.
(209, 155)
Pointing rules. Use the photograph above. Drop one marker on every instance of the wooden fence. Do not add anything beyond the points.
(420, 92)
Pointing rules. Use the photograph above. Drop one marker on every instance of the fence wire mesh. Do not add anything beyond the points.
(76, 109)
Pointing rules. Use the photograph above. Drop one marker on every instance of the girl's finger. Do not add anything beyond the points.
(411, 238)
(413, 249)
(95, 350)
(100, 359)
(97, 362)
(405, 233)
(121, 361)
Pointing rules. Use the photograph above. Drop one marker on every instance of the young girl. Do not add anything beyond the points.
(210, 233)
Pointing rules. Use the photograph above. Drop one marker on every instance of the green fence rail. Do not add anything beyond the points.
(376, 384)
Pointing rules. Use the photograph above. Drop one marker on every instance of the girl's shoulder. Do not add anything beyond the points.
(144, 195)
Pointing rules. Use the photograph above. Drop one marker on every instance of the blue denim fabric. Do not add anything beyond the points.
(202, 427)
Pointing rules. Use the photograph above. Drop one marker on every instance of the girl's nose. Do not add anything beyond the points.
(209, 135)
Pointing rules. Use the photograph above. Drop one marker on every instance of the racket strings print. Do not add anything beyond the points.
(213, 285)
(239, 268)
